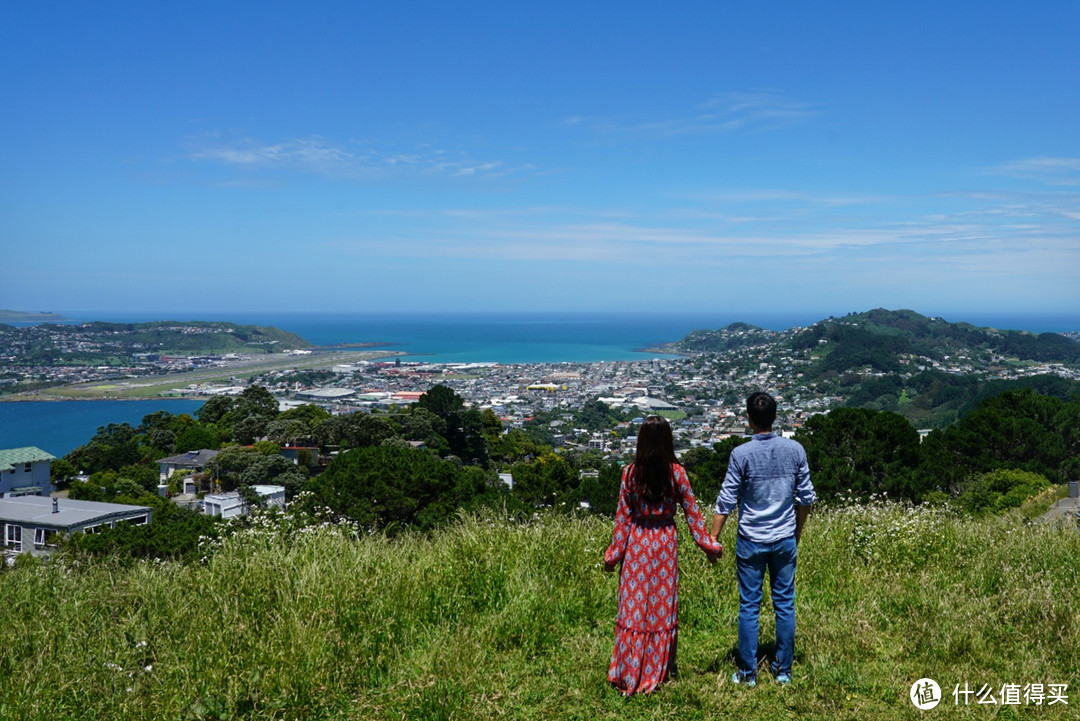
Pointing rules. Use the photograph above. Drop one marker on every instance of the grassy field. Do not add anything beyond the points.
(493, 619)
(153, 386)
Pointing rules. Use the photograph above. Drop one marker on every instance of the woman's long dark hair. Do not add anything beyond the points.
(651, 476)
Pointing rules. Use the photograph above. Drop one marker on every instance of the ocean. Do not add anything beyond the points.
(60, 426)
(484, 337)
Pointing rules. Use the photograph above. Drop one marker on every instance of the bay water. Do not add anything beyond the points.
(60, 426)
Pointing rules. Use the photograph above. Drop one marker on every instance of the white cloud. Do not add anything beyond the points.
(1052, 171)
(319, 156)
(724, 113)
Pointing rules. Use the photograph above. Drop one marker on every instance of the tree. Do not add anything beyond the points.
(602, 492)
(382, 486)
(112, 447)
(60, 472)
(547, 481)
(420, 424)
(247, 429)
(227, 466)
(196, 437)
(173, 533)
(143, 476)
(442, 401)
(999, 490)
(862, 451)
(707, 467)
(359, 430)
(273, 470)
(214, 409)
(162, 440)
(255, 400)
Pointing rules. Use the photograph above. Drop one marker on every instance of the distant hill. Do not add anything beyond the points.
(880, 337)
(114, 343)
(736, 335)
(22, 316)
(927, 369)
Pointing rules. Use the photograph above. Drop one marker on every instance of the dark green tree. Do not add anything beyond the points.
(358, 430)
(861, 451)
(214, 409)
(442, 401)
(384, 486)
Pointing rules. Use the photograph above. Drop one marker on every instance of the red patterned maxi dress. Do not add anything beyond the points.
(645, 541)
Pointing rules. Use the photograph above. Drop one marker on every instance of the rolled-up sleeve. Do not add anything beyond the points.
(804, 489)
(729, 490)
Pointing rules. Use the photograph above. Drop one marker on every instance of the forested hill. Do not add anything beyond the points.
(51, 344)
(882, 338)
(736, 335)
(929, 370)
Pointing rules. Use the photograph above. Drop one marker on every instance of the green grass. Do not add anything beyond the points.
(672, 415)
(1039, 504)
(494, 619)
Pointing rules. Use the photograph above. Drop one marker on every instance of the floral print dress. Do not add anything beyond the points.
(645, 541)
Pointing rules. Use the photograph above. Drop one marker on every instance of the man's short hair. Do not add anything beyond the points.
(761, 407)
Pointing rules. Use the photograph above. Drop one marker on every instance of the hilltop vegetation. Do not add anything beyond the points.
(100, 343)
(496, 618)
(1010, 448)
(928, 370)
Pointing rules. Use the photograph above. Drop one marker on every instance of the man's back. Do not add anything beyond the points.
(766, 478)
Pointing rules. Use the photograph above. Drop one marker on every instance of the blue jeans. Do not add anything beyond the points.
(751, 560)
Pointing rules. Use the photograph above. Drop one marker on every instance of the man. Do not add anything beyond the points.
(769, 480)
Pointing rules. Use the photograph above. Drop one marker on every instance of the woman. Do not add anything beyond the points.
(646, 543)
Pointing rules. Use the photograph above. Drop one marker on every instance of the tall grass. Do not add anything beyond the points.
(497, 619)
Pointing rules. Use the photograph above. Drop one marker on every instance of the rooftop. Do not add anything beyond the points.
(10, 457)
(71, 513)
(191, 458)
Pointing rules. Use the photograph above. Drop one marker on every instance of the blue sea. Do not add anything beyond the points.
(483, 337)
(58, 427)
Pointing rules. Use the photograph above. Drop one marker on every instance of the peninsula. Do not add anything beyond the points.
(22, 316)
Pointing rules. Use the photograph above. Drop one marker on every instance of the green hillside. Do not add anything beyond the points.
(490, 619)
(112, 343)
(927, 369)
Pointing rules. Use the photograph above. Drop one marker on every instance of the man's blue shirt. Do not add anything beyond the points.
(766, 478)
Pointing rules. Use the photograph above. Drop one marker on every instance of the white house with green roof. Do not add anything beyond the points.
(25, 472)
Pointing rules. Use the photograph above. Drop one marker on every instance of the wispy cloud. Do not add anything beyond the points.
(1052, 171)
(995, 236)
(320, 156)
(723, 113)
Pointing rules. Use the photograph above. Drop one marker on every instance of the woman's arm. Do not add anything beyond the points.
(614, 553)
(694, 519)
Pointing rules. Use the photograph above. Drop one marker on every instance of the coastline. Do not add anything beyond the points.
(175, 384)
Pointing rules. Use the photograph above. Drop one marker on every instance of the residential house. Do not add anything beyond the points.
(195, 461)
(25, 472)
(231, 505)
(32, 523)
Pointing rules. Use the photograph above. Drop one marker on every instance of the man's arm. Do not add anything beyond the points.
(718, 521)
(727, 499)
(801, 513)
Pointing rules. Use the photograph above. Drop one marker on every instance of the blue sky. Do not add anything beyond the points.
(701, 156)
